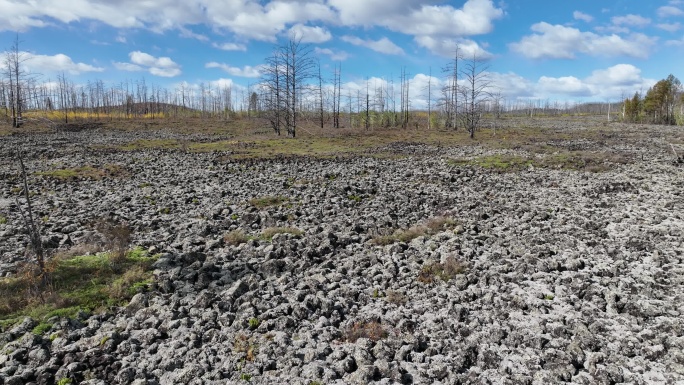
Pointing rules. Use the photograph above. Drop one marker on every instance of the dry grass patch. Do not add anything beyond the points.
(87, 172)
(372, 330)
(429, 227)
(235, 237)
(267, 201)
(445, 271)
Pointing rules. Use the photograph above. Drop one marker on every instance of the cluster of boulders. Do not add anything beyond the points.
(562, 276)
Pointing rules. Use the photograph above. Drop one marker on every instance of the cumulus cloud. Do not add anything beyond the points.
(383, 45)
(610, 83)
(158, 66)
(336, 55)
(54, 64)
(446, 47)
(245, 72)
(310, 34)
(582, 16)
(412, 18)
(561, 42)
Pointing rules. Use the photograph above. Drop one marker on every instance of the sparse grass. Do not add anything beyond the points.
(235, 238)
(565, 160)
(267, 201)
(395, 297)
(246, 345)
(80, 283)
(430, 227)
(372, 330)
(444, 271)
(86, 172)
(268, 233)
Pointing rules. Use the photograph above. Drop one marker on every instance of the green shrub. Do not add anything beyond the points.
(253, 323)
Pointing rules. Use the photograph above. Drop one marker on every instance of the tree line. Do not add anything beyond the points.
(292, 89)
(662, 104)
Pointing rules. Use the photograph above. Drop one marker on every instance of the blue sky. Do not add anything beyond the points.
(559, 50)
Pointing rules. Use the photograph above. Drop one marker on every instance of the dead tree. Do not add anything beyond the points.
(14, 59)
(475, 93)
(32, 228)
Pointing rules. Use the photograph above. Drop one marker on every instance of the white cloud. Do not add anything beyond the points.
(561, 42)
(446, 47)
(55, 64)
(120, 39)
(310, 34)
(184, 32)
(334, 54)
(631, 20)
(670, 11)
(412, 18)
(230, 46)
(383, 45)
(566, 85)
(245, 72)
(121, 66)
(610, 83)
(669, 27)
(582, 16)
(158, 66)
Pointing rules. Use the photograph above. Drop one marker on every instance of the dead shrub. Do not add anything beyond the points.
(117, 238)
(395, 297)
(235, 237)
(445, 271)
(372, 330)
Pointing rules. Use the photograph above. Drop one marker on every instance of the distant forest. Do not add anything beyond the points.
(292, 89)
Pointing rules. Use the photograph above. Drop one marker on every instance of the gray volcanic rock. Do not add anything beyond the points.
(566, 276)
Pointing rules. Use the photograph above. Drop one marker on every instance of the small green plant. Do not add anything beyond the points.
(164, 210)
(253, 323)
(377, 293)
(315, 383)
(234, 217)
(246, 377)
(64, 381)
(549, 297)
(41, 328)
(104, 340)
(3, 220)
(54, 336)
(354, 198)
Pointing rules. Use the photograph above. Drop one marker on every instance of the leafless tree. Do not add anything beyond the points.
(475, 93)
(14, 60)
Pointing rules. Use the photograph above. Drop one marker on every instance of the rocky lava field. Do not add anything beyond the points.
(538, 275)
